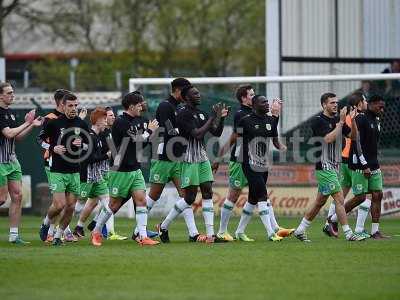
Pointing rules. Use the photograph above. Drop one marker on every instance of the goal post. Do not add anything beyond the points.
(134, 83)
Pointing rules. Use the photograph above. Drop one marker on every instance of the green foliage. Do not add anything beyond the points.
(154, 38)
(51, 74)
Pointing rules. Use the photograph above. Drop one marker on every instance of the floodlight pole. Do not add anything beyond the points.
(2, 69)
(272, 46)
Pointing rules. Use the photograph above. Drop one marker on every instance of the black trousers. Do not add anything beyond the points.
(257, 184)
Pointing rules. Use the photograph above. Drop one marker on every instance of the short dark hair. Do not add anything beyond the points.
(3, 85)
(375, 98)
(132, 98)
(179, 83)
(355, 98)
(242, 91)
(59, 95)
(255, 98)
(108, 108)
(69, 96)
(326, 96)
(185, 90)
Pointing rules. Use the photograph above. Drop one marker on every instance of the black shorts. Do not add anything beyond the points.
(257, 184)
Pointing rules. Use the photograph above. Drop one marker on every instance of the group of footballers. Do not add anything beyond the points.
(99, 164)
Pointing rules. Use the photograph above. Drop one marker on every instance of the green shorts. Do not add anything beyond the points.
(47, 170)
(237, 179)
(328, 182)
(195, 173)
(122, 184)
(65, 182)
(106, 177)
(94, 189)
(363, 185)
(345, 176)
(10, 172)
(162, 171)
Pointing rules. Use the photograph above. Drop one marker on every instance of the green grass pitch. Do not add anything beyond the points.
(324, 269)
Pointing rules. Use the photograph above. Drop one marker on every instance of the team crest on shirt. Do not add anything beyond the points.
(268, 126)
(201, 117)
(12, 117)
(256, 126)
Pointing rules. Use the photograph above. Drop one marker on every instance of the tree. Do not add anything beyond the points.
(6, 8)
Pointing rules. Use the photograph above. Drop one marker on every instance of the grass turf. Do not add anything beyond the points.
(324, 269)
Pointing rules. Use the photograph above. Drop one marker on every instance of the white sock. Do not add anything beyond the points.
(226, 212)
(189, 220)
(247, 212)
(208, 215)
(96, 217)
(272, 218)
(105, 200)
(13, 234)
(80, 223)
(46, 220)
(141, 221)
(362, 214)
(263, 211)
(110, 226)
(104, 215)
(78, 207)
(304, 224)
(149, 202)
(59, 233)
(334, 218)
(67, 230)
(178, 208)
(331, 211)
(347, 231)
(374, 228)
(51, 229)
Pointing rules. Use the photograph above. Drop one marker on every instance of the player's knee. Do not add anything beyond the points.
(190, 198)
(207, 195)
(114, 206)
(58, 205)
(155, 195)
(16, 196)
(377, 196)
(253, 200)
(140, 202)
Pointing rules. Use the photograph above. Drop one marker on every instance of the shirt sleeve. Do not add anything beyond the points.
(118, 131)
(48, 132)
(346, 130)
(164, 112)
(186, 122)
(319, 127)
(274, 125)
(236, 120)
(3, 121)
